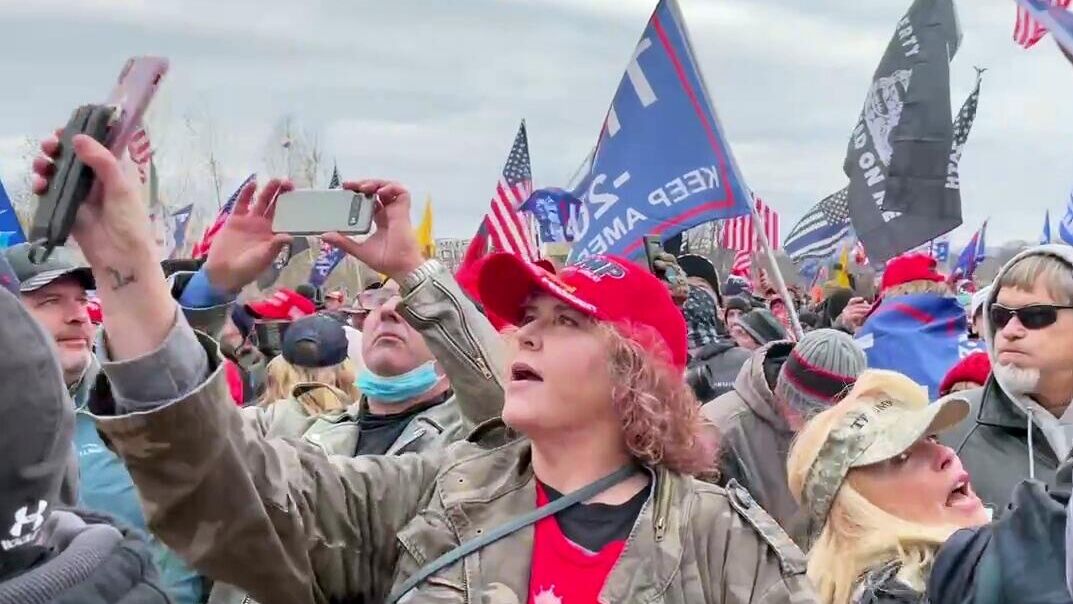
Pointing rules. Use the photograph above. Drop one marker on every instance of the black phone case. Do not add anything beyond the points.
(70, 183)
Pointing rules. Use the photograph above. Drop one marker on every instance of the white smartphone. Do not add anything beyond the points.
(312, 212)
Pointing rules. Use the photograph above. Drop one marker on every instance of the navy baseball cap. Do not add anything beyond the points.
(315, 341)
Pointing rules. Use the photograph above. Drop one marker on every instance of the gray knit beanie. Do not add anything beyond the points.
(820, 371)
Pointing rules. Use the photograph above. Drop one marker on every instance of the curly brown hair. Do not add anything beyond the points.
(661, 420)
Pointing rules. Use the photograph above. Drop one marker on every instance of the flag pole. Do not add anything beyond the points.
(780, 283)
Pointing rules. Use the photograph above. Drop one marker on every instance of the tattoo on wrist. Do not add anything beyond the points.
(119, 280)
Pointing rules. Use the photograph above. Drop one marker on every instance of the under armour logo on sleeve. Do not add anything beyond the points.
(27, 524)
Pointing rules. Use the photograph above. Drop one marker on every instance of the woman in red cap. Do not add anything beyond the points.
(583, 491)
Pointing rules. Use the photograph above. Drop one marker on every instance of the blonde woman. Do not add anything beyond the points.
(312, 377)
(880, 492)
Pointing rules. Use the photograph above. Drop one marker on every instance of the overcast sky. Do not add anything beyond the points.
(430, 93)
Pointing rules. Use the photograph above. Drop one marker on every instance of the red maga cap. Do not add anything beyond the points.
(910, 267)
(607, 288)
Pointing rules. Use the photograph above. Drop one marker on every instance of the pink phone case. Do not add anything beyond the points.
(134, 89)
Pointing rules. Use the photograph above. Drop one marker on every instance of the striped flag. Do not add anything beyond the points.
(975, 251)
(1026, 30)
(141, 152)
(503, 229)
(820, 231)
(201, 248)
(508, 231)
(743, 263)
(860, 255)
(739, 234)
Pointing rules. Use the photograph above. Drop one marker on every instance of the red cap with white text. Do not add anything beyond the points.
(607, 288)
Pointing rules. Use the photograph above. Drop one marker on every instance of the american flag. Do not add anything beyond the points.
(509, 232)
(963, 123)
(820, 231)
(860, 255)
(739, 234)
(1027, 31)
(201, 248)
(335, 182)
(141, 152)
(743, 263)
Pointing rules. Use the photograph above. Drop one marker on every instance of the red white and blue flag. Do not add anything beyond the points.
(201, 248)
(919, 335)
(1027, 31)
(503, 228)
(329, 256)
(739, 234)
(140, 150)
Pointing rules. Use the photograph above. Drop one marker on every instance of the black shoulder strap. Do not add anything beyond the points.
(584, 493)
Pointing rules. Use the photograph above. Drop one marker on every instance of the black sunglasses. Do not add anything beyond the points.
(1035, 316)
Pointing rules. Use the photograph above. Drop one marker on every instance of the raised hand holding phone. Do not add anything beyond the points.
(247, 243)
(113, 233)
(67, 180)
(393, 249)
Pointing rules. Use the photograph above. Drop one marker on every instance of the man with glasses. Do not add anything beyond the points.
(408, 404)
(1021, 425)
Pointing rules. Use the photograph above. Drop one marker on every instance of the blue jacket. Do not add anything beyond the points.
(105, 486)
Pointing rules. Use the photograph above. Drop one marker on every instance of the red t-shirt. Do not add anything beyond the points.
(563, 572)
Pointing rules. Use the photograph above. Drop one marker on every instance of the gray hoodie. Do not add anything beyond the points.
(1008, 437)
(49, 554)
(754, 438)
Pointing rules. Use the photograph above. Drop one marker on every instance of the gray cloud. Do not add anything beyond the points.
(431, 92)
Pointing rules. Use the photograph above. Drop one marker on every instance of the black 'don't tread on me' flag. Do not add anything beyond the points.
(899, 153)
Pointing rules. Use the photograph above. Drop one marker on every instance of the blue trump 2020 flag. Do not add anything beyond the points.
(329, 257)
(662, 163)
(920, 335)
(1065, 228)
(554, 210)
(10, 229)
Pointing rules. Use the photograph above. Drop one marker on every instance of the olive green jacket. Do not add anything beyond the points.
(290, 524)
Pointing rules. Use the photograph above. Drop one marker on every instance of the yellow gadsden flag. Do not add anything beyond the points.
(841, 275)
(424, 231)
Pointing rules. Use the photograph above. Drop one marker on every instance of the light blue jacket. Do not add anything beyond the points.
(105, 486)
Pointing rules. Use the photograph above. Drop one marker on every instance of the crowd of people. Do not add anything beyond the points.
(553, 435)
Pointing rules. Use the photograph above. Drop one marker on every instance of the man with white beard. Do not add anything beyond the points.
(1021, 424)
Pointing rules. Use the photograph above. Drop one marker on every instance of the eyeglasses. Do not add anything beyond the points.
(1035, 316)
(373, 299)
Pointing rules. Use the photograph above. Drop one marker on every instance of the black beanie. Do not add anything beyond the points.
(738, 303)
(37, 430)
(699, 266)
(762, 326)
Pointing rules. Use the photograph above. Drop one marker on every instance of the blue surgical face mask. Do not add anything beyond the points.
(398, 388)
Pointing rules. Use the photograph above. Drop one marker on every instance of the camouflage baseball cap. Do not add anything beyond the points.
(33, 276)
(873, 433)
